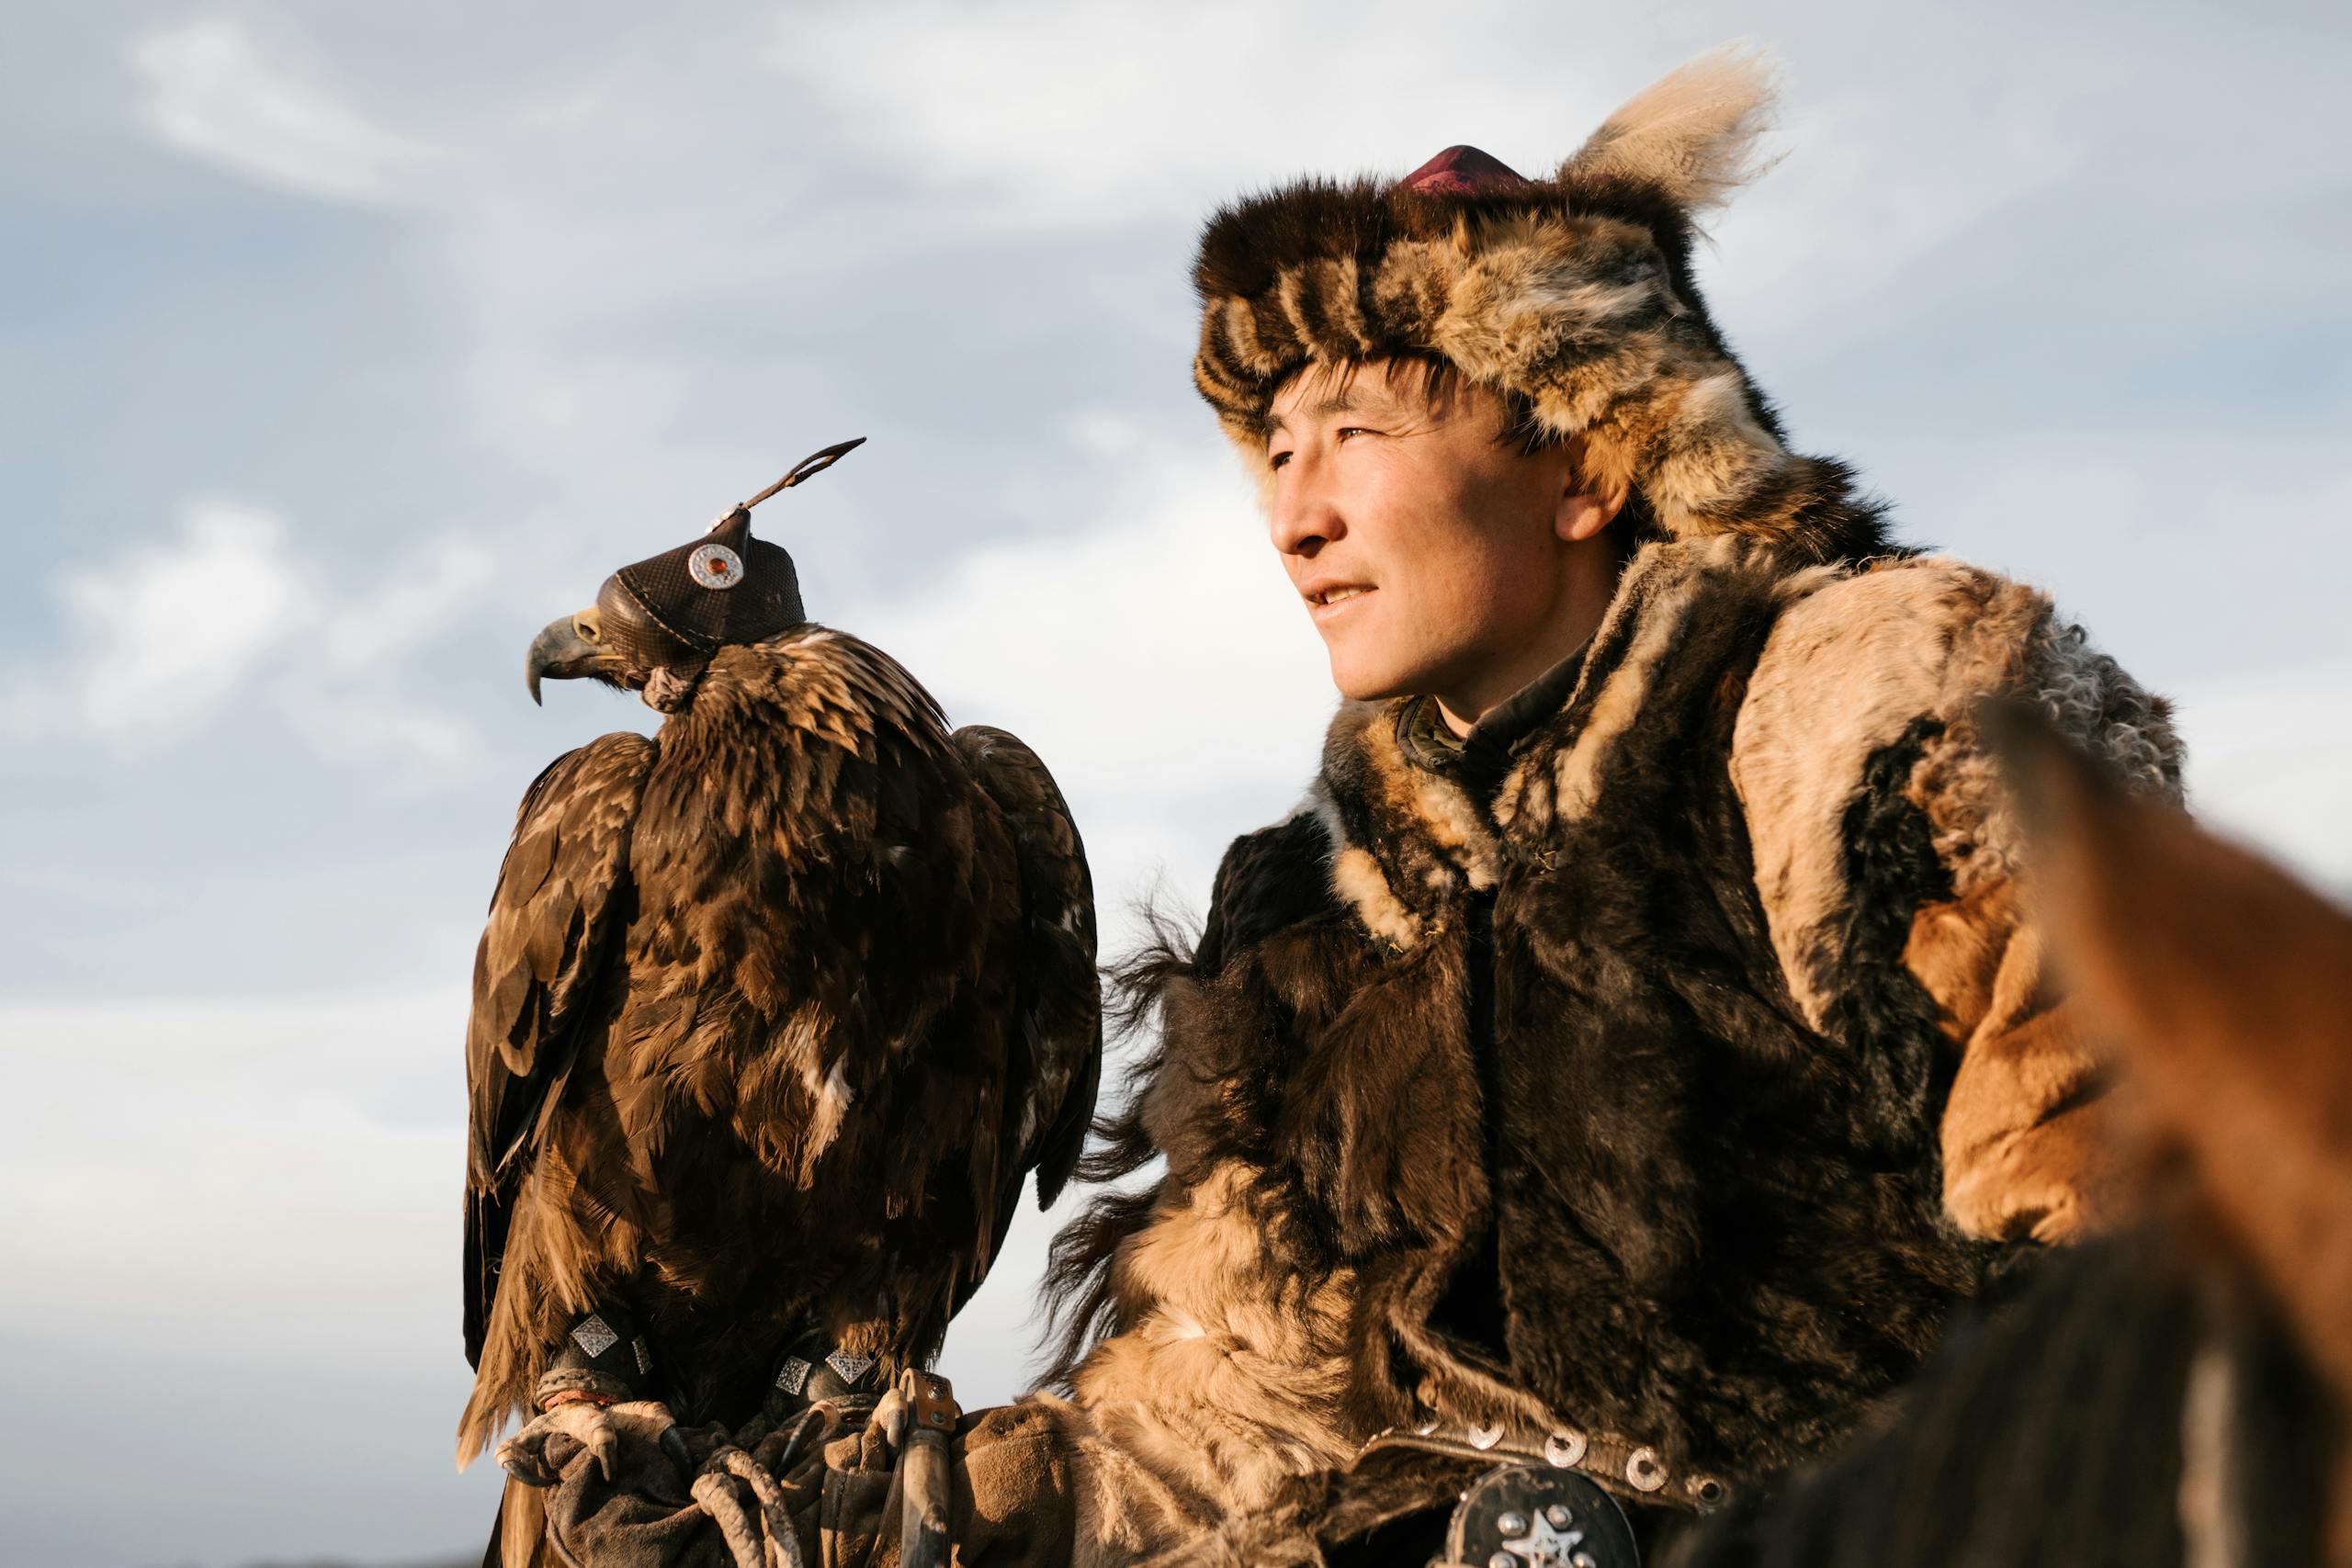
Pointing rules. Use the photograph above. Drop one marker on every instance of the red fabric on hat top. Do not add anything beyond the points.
(1463, 171)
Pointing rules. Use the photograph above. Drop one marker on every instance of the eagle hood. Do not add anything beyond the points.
(677, 608)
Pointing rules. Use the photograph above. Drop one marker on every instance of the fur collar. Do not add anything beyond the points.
(1408, 838)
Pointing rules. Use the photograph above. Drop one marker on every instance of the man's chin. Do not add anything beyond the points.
(1363, 683)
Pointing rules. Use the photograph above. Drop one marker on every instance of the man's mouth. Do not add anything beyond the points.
(1335, 593)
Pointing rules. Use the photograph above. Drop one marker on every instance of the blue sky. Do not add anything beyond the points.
(347, 345)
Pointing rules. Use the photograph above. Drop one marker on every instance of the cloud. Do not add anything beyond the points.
(167, 634)
(348, 701)
(1874, 166)
(210, 90)
(1011, 105)
(167, 640)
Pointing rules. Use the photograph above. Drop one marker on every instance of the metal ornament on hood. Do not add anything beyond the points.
(667, 615)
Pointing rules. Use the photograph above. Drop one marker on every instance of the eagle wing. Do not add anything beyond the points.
(553, 920)
(1056, 1060)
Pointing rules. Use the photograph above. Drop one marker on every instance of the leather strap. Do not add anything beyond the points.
(926, 1479)
(1630, 1469)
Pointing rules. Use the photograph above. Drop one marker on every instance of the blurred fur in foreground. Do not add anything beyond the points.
(2175, 1394)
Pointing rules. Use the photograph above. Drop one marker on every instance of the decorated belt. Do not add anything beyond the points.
(1618, 1464)
(1534, 1516)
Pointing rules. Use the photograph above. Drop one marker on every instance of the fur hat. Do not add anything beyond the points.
(1572, 294)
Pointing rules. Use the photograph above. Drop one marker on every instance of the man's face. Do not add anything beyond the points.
(1427, 553)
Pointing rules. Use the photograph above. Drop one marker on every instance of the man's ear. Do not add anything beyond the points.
(1588, 502)
(1583, 512)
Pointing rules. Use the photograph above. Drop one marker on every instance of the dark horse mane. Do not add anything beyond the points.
(2074, 1425)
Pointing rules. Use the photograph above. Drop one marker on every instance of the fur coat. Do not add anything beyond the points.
(1667, 1102)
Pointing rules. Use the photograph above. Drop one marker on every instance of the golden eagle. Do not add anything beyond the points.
(774, 1011)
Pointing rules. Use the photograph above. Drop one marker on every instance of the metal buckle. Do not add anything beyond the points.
(1539, 1516)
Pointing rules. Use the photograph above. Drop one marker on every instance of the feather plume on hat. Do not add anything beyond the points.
(1692, 135)
(1574, 295)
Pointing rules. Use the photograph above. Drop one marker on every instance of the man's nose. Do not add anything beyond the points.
(1303, 518)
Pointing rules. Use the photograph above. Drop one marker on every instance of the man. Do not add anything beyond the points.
(1636, 1046)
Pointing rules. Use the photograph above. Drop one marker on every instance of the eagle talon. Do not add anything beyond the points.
(782, 1542)
(774, 1447)
(763, 1540)
(673, 1444)
(549, 1445)
(528, 1455)
(714, 1490)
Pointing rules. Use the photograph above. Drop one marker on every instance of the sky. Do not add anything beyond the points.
(346, 345)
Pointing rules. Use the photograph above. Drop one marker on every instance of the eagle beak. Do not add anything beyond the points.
(565, 650)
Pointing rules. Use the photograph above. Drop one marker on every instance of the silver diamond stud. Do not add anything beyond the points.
(594, 1336)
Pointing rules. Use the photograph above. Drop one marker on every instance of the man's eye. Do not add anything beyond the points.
(1345, 431)
(1278, 459)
